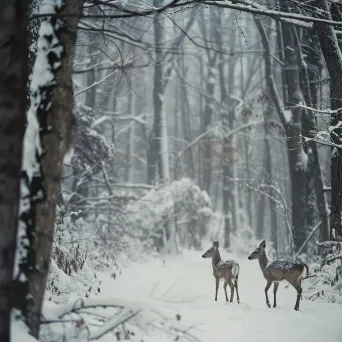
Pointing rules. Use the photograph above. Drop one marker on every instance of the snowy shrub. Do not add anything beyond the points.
(326, 286)
(116, 240)
(70, 275)
(183, 202)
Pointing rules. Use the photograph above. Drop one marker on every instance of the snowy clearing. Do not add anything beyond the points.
(184, 284)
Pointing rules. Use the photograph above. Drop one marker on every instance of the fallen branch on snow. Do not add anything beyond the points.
(144, 314)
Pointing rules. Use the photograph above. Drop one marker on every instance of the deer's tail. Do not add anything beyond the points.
(305, 273)
(236, 271)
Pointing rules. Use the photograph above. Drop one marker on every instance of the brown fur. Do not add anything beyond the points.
(277, 271)
(225, 270)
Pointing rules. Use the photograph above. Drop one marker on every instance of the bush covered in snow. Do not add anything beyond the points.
(71, 274)
(182, 202)
(326, 286)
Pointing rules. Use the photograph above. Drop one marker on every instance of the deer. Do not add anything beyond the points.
(223, 270)
(277, 271)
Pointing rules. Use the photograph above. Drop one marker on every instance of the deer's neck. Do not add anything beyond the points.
(216, 258)
(263, 261)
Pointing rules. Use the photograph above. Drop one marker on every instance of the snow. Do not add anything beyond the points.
(288, 115)
(19, 332)
(184, 285)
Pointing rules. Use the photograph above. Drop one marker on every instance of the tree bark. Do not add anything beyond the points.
(269, 180)
(33, 33)
(186, 124)
(333, 59)
(56, 123)
(314, 178)
(13, 103)
(293, 129)
(226, 161)
(155, 160)
(210, 81)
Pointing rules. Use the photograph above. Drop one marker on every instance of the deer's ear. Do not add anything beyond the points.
(215, 244)
(263, 244)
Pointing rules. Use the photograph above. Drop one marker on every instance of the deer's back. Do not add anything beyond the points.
(283, 270)
(226, 269)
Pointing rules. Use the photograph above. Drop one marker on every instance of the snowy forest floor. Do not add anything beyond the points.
(185, 284)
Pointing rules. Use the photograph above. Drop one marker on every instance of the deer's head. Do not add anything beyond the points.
(212, 250)
(257, 252)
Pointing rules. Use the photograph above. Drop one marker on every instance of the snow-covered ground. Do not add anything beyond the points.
(184, 284)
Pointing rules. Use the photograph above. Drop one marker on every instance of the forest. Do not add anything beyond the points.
(135, 135)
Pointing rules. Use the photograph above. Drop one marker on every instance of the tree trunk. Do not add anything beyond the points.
(33, 33)
(210, 81)
(297, 163)
(160, 126)
(226, 160)
(231, 144)
(56, 122)
(186, 124)
(292, 129)
(333, 59)
(130, 141)
(155, 160)
(260, 228)
(310, 72)
(13, 103)
(269, 180)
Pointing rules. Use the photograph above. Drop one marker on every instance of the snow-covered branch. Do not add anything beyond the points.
(150, 316)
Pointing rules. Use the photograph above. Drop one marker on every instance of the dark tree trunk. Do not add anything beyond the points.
(56, 120)
(293, 129)
(332, 55)
(155, 148)
(310, 71)
(13, 102)
(33, 33)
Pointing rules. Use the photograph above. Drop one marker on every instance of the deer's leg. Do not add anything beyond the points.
(237, 291)
(275, 289)
(299, 294)
(231, 285)
(225, 290)
(217, 286)
(300, 284)
(268, 285)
